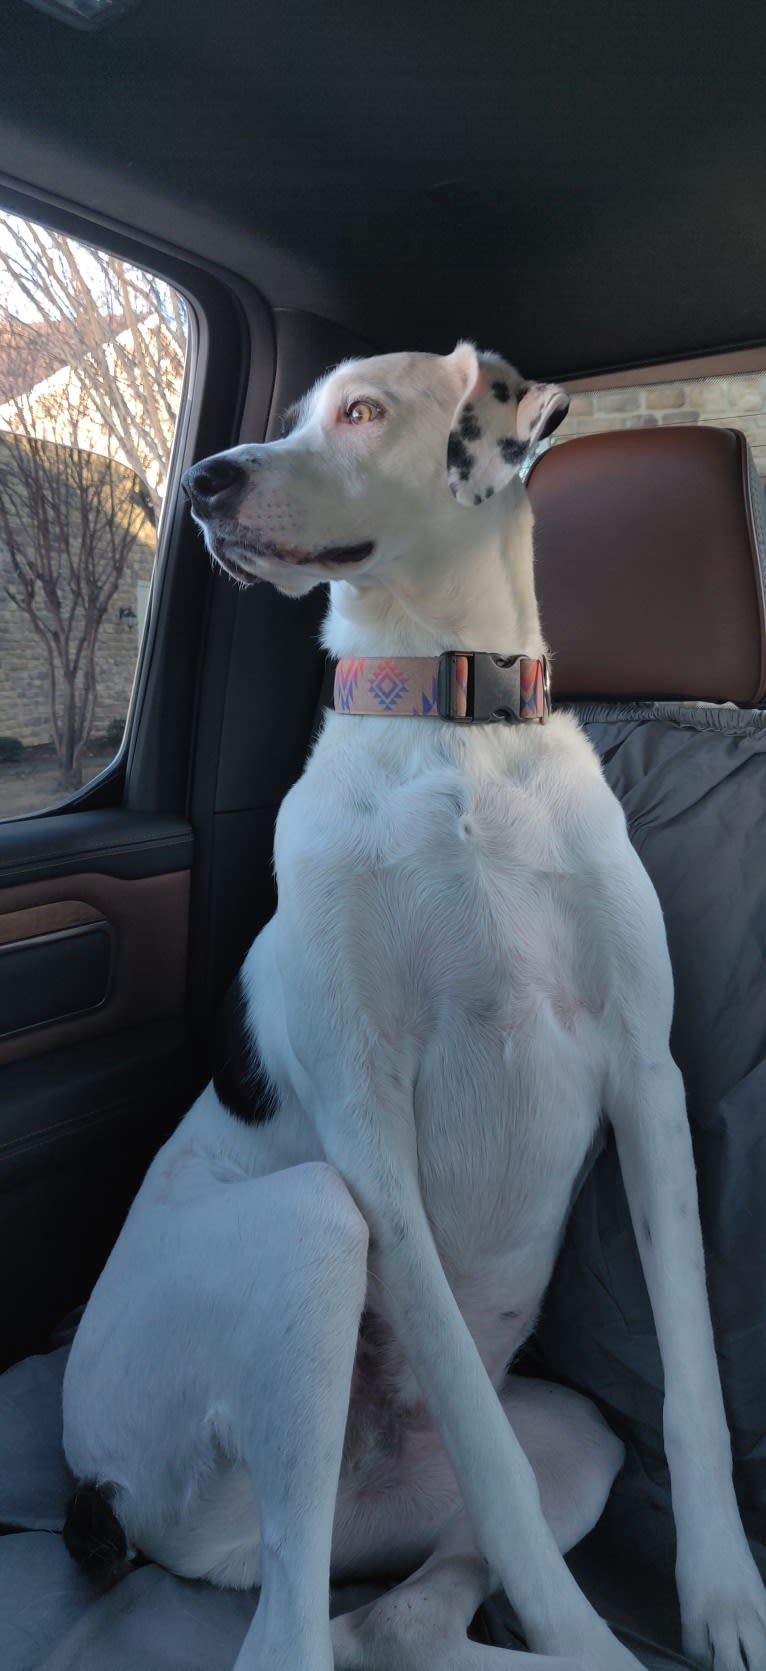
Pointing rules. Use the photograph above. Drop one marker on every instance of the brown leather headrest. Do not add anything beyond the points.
(650, 560)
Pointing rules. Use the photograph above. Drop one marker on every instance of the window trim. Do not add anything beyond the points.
(217, 392)
(737, 362)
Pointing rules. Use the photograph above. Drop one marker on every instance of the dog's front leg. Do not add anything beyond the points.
(373, 1147)
(292, 1281)
(723, 1601)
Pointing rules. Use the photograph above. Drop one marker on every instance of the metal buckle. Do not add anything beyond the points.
(490, 685)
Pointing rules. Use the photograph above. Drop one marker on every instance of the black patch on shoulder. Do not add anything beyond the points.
(92, 1533)
(513, 451)
(458, 456)
(501, 391)
(239, 1078)
(470, 428)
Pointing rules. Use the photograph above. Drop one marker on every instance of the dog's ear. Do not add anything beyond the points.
(498, 421)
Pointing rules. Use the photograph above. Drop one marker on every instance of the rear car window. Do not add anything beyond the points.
(736, 400)
(93, 359)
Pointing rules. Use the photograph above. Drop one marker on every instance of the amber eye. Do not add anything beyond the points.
(362, 412)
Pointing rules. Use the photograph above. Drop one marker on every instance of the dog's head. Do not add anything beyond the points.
(364, 467)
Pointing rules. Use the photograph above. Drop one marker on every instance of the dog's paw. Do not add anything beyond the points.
(724, 1625)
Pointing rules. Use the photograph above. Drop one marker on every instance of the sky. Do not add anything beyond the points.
(13, 300)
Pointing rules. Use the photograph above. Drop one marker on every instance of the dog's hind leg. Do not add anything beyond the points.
(225, 1445)
(422, 1624)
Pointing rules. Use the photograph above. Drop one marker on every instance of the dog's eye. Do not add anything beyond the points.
(362, 412)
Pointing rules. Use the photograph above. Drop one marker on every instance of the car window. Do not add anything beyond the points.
(735, 400)
(93, 356)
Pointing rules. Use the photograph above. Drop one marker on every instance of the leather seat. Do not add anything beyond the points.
(650, 563)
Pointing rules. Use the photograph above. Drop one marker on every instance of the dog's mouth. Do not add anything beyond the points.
(341, 555)
(235, 555)
(232, 566)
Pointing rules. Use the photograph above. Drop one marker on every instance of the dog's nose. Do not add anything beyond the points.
(203, 483)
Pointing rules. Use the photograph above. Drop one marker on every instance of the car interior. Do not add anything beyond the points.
(580, 189)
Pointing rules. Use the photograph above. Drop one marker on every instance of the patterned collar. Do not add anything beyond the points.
(462, 687)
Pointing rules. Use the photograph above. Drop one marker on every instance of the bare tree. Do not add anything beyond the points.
(92, 358)
(121, 331)
(69, 521)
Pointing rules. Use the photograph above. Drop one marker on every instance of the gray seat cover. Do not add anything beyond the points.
(692, 782)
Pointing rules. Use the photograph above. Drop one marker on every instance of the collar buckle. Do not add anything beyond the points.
(488, 689)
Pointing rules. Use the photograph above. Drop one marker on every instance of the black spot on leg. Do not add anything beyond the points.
(489, 493)
(512, 451)
(458, 456)
(646, 1230)
(501, 391)
(477, 498)
(240, 1080)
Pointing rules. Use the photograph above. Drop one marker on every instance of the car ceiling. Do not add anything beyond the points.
(580, 186)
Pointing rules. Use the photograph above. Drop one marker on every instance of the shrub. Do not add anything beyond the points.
(10, 750)
(114, 733)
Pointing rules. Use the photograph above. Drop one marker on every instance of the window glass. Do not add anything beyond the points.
(735, 401)
(92, 362)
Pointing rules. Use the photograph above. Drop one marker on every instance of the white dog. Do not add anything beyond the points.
(294, 1363)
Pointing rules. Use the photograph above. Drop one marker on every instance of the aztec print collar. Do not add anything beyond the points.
(464, 688)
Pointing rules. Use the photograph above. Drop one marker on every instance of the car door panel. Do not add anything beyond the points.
(146, 920)
(99, 941)
(50, 975)
(78, 1127)
(96, 1058)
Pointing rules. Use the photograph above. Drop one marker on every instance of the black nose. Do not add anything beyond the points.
(204, 482)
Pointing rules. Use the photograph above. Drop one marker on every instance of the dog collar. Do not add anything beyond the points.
(465, 687)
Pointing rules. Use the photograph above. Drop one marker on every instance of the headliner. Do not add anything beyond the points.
(579, 186)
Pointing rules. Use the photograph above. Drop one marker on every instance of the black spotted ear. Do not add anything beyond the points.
(498, 421)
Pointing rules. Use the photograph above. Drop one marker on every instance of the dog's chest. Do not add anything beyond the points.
(451, 913)
(448, 898)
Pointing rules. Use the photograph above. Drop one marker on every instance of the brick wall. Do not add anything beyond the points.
(24, 668)
(737, 402)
